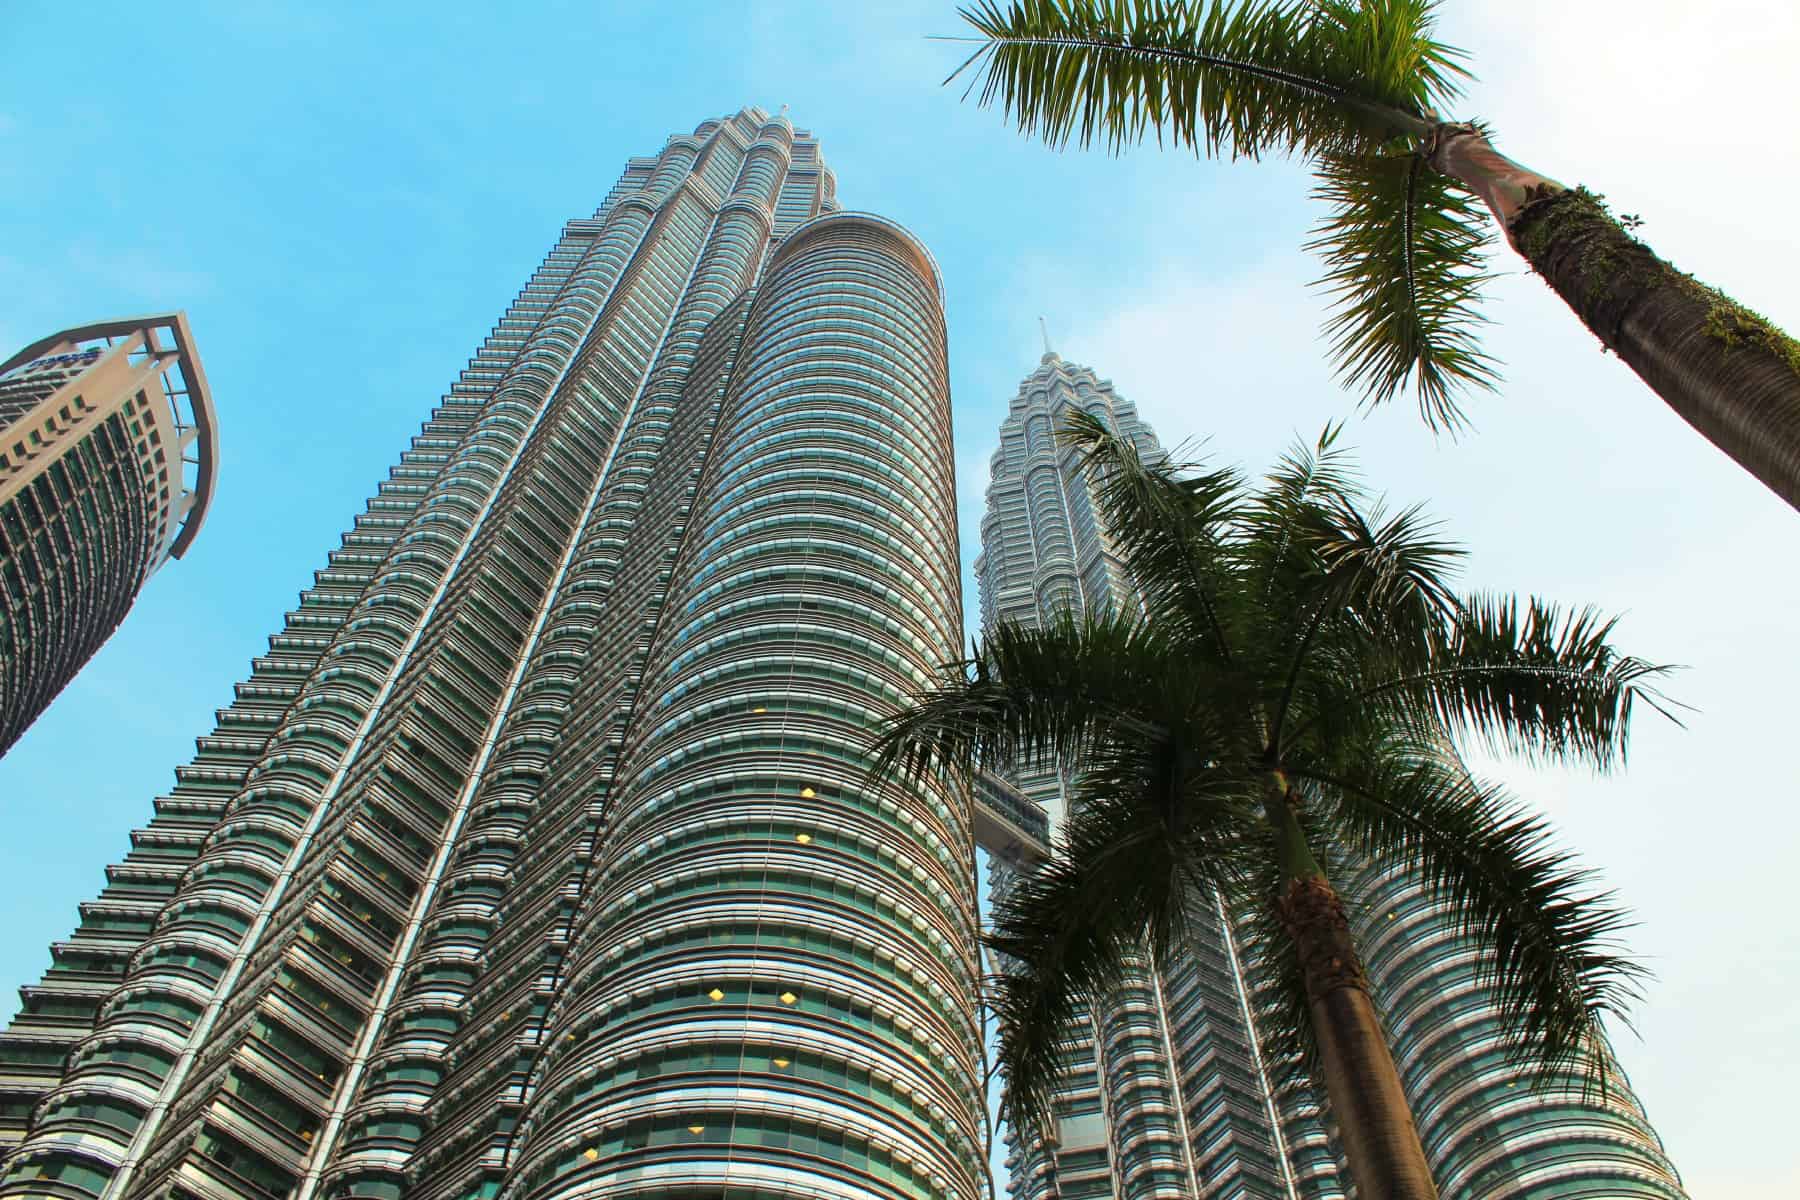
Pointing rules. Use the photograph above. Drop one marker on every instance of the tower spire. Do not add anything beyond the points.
(1045, 330)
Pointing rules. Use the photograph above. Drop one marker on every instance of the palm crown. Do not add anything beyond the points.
(1345, 84)
(1355, 87)
(1288, 696)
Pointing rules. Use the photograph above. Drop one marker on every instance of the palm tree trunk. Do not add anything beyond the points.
(1726, 370)
(1374, 1119)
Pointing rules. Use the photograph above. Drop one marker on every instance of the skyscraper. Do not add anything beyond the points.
(1166, 1092)
(108, 449)
(537, 857)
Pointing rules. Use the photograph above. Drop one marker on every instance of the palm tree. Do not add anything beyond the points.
(1355, 87)
(1285, 704)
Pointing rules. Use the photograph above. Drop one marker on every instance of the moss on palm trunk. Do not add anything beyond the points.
(1728, 371)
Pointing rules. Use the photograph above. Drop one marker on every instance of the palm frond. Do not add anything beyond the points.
(1403, 264)
(1352, 85)
(1048, 695)
(1386, 47)
(1549, 940)
(1391, 573)
(1301, 484)
(1151, 828)
(1382, 580)
(1172, 530)
(1532, 680)
(1220, 77)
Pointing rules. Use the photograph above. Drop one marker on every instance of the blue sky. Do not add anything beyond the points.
(343, 198)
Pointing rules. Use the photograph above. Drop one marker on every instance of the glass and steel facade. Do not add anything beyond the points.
(1166, 1092)
(537, 857)
(108, 450)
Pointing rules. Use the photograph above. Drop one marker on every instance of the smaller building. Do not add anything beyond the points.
(108, 451)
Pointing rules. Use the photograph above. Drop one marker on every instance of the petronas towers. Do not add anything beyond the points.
(539, 856)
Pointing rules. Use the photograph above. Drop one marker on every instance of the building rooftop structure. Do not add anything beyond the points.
(108, 455)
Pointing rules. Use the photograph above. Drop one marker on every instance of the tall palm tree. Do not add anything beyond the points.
(1285, 702)
(1356, 88)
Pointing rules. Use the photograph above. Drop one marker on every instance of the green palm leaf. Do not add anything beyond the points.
(1526, 679)
(1553, 956)
(1223, 78)
(1349, 85)
(1041, 696)
(1404, 266)
(1377, 580)
(1272, 546)
(1153, 826)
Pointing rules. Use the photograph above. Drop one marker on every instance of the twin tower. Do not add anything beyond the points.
(538, 857)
